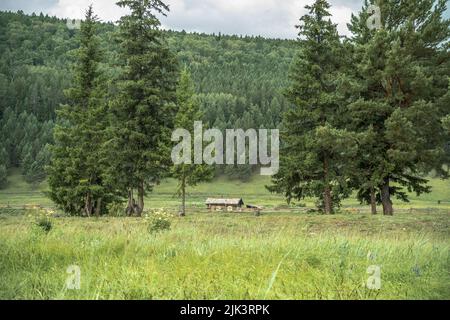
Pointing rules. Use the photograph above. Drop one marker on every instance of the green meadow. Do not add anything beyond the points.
(226, 256)
(286, 253)
(19, 193)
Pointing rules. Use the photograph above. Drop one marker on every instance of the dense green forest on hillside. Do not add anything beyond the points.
(100, 150)
(239, 82)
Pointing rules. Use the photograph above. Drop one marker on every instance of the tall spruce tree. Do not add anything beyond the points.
(403, 70)
(315, 152)
(76, 169)
(188, 113)
(145, 106)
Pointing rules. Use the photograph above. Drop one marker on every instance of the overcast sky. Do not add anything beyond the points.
(268, 18)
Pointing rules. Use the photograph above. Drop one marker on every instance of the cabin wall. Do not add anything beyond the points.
(224, 207)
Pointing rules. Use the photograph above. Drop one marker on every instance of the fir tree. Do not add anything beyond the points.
(315, 153)
(36, 171)
(145, 106)
(3, 166)
(403, 71)
(77, 166)
(3, 176)
(188, 113)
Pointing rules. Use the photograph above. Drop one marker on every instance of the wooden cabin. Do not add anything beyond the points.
(230, 205)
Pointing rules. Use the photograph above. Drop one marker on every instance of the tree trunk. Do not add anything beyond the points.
(373, 200)
(327, 200)
(98, 207)
(183, 198)
(327, 191)
(388, 210)
(140, 205)
(130, 206)
(88, 205)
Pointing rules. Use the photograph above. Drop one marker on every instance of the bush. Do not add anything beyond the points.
(42, 219)
(158, 221)
(45, 224)
(116, 209)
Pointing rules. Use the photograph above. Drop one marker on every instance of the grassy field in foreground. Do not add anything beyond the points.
(226, 256)
(283, 254)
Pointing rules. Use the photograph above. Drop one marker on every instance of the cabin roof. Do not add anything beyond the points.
(225, 202)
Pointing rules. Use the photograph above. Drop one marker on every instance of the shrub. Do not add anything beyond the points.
(45, 224)
(42, 218)
(116, 209)
(158, 221)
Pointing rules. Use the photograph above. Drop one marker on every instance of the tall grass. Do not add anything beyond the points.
(229, 257)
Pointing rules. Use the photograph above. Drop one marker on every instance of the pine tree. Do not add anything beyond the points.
(145, 106)
(4, 159)
(315, 152)
(403, 71)
(3, 176)
(36, 171)
(188, 113)
(446, 122)
(77, 166)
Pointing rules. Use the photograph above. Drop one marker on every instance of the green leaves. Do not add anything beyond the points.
(369, 111)
(78, 166)
(144, 108)
(401, 104)
(316, 153)
(188, 113)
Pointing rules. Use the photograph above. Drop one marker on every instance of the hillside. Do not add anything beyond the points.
(107, 191)
(239, 83)
(238, 80)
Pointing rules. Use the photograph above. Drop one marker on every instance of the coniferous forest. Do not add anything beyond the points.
(94, 205)
(360, 113)
(238, 81)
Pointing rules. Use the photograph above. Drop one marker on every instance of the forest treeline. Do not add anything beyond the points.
(367, 113)
(238, 81)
